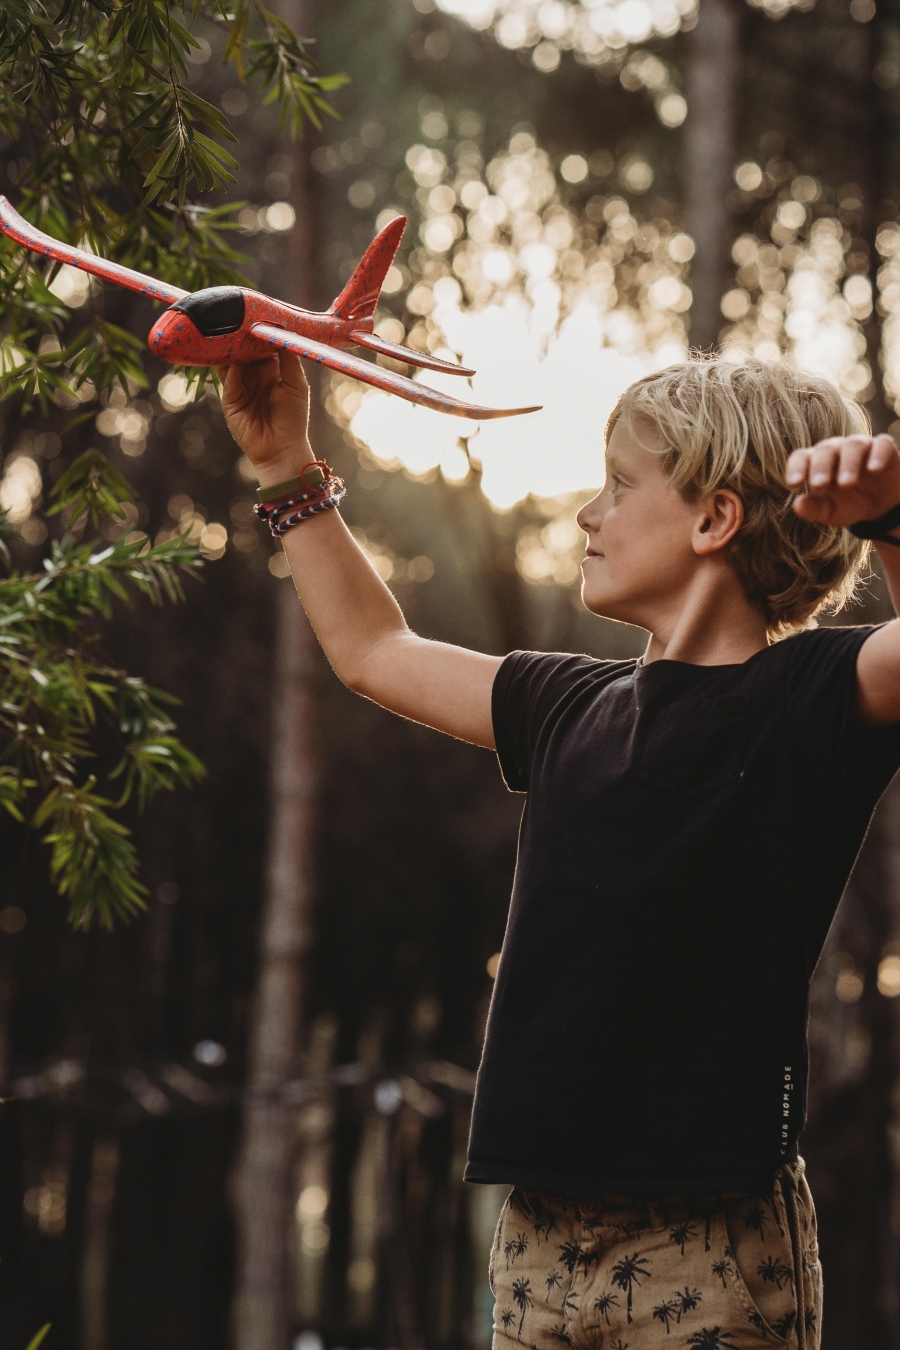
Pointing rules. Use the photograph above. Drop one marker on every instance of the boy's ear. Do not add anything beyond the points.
(720, 516)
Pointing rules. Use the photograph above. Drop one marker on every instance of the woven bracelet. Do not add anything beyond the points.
(274, 507)
(281, 527)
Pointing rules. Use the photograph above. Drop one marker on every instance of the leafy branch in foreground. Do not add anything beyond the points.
(63, 705)
(104, 138)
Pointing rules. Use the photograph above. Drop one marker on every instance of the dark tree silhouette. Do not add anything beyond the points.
(756, 1219)
(570, 1254)
(620, 1345)
(514, 1248)
(543, 1220)
(605, 1302)
(665, 1312)
(507, 1317)
(553, 1281)
(785, 1324)
(522, 1295)
(629, 1272)
(713, 1338)
(776, 1272)
(559, 1333)
(688, 1300)
(587, 1258)
(721, 1268)
(682, 1234)
(570, 1301)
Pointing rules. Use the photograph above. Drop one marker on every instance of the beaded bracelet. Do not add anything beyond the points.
(275, 506)
(287, 505)
(280, 527)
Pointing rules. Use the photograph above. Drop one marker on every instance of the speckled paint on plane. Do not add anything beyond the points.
(19, 229)
(268, 323)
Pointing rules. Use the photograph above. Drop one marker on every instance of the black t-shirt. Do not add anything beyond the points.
(687, 836)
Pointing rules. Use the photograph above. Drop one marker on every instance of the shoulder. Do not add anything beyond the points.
(819, 649)
(536, 674)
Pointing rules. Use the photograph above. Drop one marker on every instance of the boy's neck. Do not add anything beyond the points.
(714, 625)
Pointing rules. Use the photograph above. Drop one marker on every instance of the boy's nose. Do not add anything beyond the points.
(588, 518)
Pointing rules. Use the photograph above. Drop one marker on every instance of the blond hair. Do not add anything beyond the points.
(727, 425)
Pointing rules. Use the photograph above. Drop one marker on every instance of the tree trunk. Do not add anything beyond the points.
(713, 84)
(263, 1297)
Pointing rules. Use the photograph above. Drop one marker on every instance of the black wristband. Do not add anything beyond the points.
(877, 530)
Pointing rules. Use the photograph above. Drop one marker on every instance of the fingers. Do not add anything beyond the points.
(292, 373)
(840, 460)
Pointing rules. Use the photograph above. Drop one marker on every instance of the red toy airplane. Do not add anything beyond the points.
(229, 325)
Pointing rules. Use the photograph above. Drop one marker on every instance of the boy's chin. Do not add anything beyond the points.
(606, 606)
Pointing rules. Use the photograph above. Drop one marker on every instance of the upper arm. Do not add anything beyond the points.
(878, 676)
(448, 688)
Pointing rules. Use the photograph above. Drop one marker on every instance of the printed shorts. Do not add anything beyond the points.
(716, 1272)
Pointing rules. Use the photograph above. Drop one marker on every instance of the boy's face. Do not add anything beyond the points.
(640, 555)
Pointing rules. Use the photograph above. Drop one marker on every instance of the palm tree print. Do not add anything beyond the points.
(541, 1217)
(682, 1233)
(620, 1345)
(605, 1302)
(629, 1272)
(516, 1246)
(570, 1253)
(785, 1324)
(559, 1333)
(713, 1338)
(523, 1300)
(776, 1272)
(553, 1281)
(756, 1219)
(665, 1312)
(721, 1268)
(688, 1300)
(570, 1301)
(507, 1317)
(587, 1258)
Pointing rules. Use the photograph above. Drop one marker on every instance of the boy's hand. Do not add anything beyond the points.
(266, 406)
(846, 479)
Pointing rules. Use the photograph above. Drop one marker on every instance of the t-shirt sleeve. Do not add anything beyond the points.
(822, 714)
(527, 689)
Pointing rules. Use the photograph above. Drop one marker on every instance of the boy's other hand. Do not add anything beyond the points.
(845, 479)
(266, 406)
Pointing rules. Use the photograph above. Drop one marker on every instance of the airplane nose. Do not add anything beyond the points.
(215, 311)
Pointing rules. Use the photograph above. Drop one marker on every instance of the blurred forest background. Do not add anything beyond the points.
(242, 1119)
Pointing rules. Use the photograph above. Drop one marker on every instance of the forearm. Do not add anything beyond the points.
(350, 608)
(367, 641)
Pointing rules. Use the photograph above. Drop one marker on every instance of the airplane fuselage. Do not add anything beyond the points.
(212, 327)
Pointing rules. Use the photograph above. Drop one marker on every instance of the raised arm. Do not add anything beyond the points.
(355, 617)
(845, 480)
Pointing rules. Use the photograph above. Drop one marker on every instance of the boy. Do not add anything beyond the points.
(692, 819)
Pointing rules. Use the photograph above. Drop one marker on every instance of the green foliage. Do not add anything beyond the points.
(106, 139)
(103, 139)
(57, 693)
(39, 1338)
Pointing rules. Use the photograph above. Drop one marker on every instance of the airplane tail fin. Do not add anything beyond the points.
(359, 297)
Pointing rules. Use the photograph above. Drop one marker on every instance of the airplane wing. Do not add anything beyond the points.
(377, 375)
(408, 354)
(17, 228)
